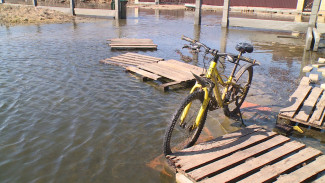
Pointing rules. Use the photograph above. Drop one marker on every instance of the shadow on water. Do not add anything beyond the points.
(67, 118)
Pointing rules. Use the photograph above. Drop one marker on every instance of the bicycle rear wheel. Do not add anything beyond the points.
(237, 95)
(177, 136)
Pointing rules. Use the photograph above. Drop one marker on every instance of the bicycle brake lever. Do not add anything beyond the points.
(185, 46)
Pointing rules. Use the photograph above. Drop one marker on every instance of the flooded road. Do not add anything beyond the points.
(64, 117)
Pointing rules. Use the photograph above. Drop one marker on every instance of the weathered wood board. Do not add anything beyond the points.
(306, 106)
(170, 72)
(126, 43)
(252, 154)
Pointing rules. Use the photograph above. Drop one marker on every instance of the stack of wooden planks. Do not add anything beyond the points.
(125, 43)
(306, 105)
(252, 154)
(169, 73)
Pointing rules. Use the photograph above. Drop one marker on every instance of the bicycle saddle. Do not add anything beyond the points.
(244, 47)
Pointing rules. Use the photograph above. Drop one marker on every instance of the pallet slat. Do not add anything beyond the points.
(257, 162)
(191, 162)
(296, 100)
(309, 104)
(200, 173)
(272, 171)
(300, 175)
(315, 118)
(143, 73)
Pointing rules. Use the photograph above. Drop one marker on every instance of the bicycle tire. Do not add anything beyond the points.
(234, 107)
(172, 142)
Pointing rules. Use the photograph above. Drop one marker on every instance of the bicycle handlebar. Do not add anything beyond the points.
(215, 52)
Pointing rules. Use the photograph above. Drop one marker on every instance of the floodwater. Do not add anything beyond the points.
(64, 117)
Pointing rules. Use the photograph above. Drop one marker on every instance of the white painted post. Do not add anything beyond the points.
(72, 6)
(117, 10)
(300, 5)
(225, 13)
(198, 6)
(314, 13)
(35, 2)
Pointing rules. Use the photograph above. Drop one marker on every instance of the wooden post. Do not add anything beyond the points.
(225, 13)
(72, 6)
(117, 10)
(198, 6)
(35, 2)
(314, 13)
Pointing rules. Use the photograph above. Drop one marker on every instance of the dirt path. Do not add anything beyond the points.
(16, 14)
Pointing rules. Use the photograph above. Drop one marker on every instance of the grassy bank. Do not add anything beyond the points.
(18, 14)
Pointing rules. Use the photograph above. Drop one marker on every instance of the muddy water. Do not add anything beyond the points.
(64, 117)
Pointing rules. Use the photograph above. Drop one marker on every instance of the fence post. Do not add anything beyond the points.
(225, 14)
(117, 10)
(198, 6)
(72, 6)
(35, 2)
(314, 13)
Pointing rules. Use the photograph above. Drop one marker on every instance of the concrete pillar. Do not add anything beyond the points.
(35, 3)
(309, 38)
(136, 1)
(72, 6)
(225, 13)
(157, 13)
(314, 12)
(117, 9)
(198, 6)
(322, 6)
(156, 2)
(300, 5)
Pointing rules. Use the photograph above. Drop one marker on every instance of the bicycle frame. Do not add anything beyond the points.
(212, 74)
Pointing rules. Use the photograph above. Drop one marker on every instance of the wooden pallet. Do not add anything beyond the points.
(306, 106)
(126, 43)
(170, 72)
(252, 154)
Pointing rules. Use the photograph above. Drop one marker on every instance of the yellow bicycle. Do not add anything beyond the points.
(187, 124)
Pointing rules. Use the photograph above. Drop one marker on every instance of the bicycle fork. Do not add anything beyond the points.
(203, 107)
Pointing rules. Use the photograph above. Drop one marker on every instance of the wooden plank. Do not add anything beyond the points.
(143, 73)
(320, 179)
(205, 171)
(315, 118)
(256, 163)
(165, 86)
(305, 81)
(181, 178)
(296, 100)
(191, 160)
(115, 63)
(191, 157)
(179, 67)
(304, 172)
(135, 60)
(181, 64)
(130, 40)
(140, 59)
(163, 72)
(183, 71)
(309, 104)
(145, 56)
(131, 44)
(121, 60)
(270, 172)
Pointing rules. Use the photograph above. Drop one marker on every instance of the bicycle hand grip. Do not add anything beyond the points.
(249, 60)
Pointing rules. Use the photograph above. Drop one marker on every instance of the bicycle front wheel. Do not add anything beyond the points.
(236, 95)
(180, 136)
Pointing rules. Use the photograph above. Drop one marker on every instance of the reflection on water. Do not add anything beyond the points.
(64, 117)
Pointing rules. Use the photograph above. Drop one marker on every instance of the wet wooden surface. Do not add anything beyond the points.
(306, 106)
(169, 73)
(251, 154)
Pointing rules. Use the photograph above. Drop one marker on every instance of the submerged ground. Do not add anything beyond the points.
(64, 117)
